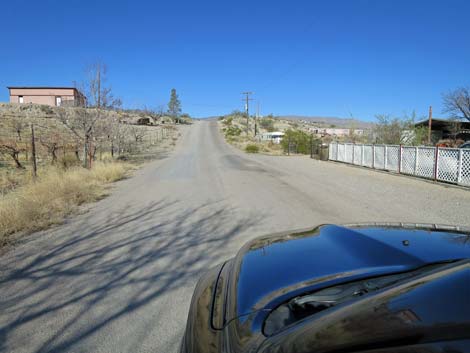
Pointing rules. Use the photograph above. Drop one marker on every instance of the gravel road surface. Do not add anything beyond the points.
(119, 278)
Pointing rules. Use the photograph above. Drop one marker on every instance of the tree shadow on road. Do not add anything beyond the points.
(56, 299)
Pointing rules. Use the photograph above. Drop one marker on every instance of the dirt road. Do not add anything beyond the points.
(120, 277)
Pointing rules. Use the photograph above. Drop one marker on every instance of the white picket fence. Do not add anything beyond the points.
(451, 165)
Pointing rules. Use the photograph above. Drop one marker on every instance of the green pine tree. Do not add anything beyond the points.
(174, 106)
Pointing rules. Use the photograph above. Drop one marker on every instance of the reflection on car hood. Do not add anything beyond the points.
(269, 270)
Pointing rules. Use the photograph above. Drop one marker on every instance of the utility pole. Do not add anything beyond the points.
(256, 118)
(247, 99)
(429, 124)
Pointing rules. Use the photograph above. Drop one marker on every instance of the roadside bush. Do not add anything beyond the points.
(252, 148)
(233, 131)
(299, 140)
(228, 121)
(267, 124)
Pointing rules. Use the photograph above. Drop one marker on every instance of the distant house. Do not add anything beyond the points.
(335, 131)
(447, 129)
(275, 137)
(53, 96)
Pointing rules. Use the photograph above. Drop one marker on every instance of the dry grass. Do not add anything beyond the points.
(54, 195)
(10, 179)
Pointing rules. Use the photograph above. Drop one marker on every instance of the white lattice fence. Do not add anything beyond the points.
(408, 160)
(368, 156)
(448, 164)
(357, 154)
(348, 153)
(452, 164)
(332, 151)
(425, 162)
(379, 157)
(340, 152)
(465, 169)
(393, 158)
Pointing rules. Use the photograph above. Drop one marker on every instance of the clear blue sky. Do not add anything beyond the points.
(328, 58)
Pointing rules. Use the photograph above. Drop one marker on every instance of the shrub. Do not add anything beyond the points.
(299, 140)
(233, 131)
(267, 124)
(252, 148)
(228, 121)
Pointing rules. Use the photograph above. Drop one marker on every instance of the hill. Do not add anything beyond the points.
(337, 122)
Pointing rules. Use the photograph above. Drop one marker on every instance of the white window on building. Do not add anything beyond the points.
(58, 101)
(20, 99)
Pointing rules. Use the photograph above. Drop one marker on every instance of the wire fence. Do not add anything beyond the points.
(451, 165)
(34, 143)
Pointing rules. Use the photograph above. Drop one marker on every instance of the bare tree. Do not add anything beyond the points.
(113, 134)
(457, 103)
(388, 130)
(98, 94)
(137, 133)
(81, 122)
(158, 113)
(12, 148)
(454, 129)
(12, 144)
(19, 125)
(120, 133)
(105, 133)
(393, 130)
(52, 148)
(52, 141)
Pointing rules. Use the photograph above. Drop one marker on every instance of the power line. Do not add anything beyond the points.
(305, 58)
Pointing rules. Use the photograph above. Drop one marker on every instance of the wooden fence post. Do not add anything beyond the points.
(33, 152)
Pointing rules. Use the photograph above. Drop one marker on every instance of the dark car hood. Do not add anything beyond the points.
(269, 270)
